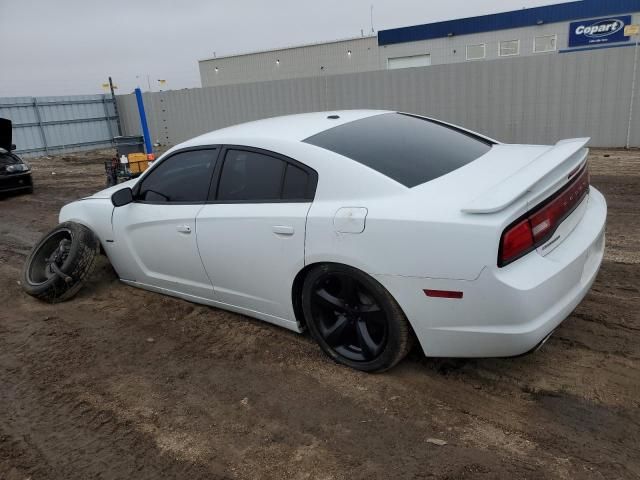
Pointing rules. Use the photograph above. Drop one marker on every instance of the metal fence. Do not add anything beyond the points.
(536, 99)
(43, 125)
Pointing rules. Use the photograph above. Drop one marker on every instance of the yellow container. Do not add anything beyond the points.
(138, 162)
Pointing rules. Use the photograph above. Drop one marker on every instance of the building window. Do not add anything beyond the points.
(408, 62)
(509, 48)
(544, 44)
(476, 52)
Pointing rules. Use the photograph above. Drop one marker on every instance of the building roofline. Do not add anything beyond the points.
(556, 13)
(290, 47)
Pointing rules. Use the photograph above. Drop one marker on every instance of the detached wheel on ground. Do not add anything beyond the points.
(60, 263)
(354, 319)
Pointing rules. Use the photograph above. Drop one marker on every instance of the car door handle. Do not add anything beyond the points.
(283, 230)
(183, 228)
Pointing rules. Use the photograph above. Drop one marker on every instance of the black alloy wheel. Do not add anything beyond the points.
(354, 319)
(349, 319)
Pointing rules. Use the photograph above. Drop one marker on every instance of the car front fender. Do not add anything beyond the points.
(93, 213)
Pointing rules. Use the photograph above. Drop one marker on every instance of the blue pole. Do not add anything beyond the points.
(143, 123)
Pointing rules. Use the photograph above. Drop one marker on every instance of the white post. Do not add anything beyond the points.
(633, 91)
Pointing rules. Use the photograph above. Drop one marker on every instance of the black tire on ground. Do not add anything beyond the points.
(336, 297)
(60, 263)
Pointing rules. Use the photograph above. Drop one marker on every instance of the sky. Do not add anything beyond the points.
(71, 47)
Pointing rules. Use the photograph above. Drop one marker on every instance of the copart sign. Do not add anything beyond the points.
(598, 31)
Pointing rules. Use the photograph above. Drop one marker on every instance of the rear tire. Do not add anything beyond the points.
(354, 319)
(60, 263)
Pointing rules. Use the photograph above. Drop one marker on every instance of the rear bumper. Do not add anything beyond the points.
(507, 311)
(15, 182)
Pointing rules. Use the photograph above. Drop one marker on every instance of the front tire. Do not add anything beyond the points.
(354, 319)
(60, 263)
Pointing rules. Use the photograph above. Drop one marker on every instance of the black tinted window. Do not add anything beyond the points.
(183, 177)
(408, 149)
(250, 176)
(296, 183)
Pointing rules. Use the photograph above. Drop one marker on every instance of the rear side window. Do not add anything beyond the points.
(410, 150)
(250, 176)
(181, 178)
(296, 183)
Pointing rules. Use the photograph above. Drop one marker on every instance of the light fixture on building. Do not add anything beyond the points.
(450, 34)
(278, 62)
(539, 22)
(348, 53)
(216, 69)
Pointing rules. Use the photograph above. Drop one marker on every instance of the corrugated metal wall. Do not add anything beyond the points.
(538, 99)
(44, 125)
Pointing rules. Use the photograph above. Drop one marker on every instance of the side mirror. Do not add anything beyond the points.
(13, 147)
(122, 197)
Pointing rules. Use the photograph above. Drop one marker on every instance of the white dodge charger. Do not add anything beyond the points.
(369, 228)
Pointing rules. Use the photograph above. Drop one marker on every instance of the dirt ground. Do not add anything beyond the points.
(123, 383)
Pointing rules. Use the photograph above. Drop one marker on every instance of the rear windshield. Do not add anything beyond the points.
(410, 150)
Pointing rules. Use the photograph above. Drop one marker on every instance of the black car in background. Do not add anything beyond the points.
(15, 174)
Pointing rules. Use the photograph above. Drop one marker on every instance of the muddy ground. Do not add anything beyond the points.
(123, 383)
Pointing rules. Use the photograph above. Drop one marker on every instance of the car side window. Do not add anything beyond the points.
(296, 183)
(250, 176)
(182, 178)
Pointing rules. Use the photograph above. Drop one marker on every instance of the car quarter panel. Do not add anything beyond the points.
(403, 236)
(424, 231)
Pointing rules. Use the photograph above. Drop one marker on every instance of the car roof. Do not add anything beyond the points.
(289, 127)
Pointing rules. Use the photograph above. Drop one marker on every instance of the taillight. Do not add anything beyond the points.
(538, 225)
(515, 241)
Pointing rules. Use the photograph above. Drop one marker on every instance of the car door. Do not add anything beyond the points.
(251, 233)
(157, 231)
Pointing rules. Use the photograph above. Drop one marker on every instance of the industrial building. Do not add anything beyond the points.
(550, 30)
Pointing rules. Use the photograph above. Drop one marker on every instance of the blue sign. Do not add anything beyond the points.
(598, 31)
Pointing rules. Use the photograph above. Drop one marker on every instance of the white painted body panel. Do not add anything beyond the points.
(252, 253)
(506, 311)
(156, 245)
(441, 235)
(93, 213)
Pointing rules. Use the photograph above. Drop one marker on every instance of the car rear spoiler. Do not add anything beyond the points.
(510, 189)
